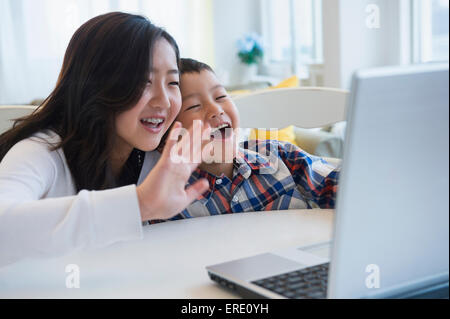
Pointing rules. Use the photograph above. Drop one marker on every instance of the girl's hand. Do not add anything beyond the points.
(162, 194)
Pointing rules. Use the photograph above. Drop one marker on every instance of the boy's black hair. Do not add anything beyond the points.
(191, 66)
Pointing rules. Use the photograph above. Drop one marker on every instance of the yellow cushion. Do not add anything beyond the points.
(286, 135)
(235, 93)
(293, 81)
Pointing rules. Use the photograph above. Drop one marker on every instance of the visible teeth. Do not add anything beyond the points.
(153, 120)
(219, 127)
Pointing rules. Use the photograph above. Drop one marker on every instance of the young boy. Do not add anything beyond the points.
(258, 175)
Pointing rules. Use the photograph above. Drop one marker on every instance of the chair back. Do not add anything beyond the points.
(308, 107)
(10, 112)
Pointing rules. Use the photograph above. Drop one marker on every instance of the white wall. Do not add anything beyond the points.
(331, 43)
(349, 44)
(232, 19)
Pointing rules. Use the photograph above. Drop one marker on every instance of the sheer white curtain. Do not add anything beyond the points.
(292, 32)
(34, 35)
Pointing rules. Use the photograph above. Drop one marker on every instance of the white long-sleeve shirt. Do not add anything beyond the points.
(41, 214)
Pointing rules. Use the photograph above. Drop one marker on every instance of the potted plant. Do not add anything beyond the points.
(250, 53)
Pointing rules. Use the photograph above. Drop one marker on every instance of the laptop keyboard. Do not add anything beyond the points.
(306, 283)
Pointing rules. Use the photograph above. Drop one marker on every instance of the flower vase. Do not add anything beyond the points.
(248, 73)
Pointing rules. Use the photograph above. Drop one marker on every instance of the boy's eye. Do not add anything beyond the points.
(192, 107)
(220, 97)
(175, 83)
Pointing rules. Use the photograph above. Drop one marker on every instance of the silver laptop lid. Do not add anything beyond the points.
(392, 216)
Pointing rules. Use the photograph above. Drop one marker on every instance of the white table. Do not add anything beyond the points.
(170, 261)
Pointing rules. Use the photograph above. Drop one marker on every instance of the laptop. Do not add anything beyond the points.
(391, 232)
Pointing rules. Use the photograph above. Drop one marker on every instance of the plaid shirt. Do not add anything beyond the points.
(267, 175)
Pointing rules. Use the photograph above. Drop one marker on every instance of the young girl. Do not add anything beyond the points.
(68, 172)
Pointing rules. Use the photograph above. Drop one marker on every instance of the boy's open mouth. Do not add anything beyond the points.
(221, 132)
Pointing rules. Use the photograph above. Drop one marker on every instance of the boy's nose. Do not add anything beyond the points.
(215, 111)
(215, 115)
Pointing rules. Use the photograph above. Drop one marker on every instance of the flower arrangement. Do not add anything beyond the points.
(250, 49)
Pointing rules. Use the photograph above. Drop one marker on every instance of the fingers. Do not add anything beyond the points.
(196, 189)
(201, 137)
(172, 139)
(189, 140)
(189, 148)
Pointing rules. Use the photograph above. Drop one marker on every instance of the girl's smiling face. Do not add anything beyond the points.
(144, 125)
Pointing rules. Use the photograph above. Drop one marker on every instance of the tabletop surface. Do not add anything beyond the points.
(170, 261)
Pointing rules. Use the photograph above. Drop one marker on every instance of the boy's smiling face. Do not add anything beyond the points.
(205, 99)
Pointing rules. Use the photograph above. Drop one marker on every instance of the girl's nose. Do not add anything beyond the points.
(160, 98)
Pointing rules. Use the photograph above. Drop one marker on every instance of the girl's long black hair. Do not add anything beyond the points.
(105, 69)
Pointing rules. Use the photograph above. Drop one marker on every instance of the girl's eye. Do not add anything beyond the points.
(192, 107)
(220, 97)
(175, 83)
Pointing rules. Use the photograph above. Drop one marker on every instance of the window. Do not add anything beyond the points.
(292, 32)
(430, 30)
(34, 35)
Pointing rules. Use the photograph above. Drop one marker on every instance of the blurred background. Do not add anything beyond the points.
(251, 43)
